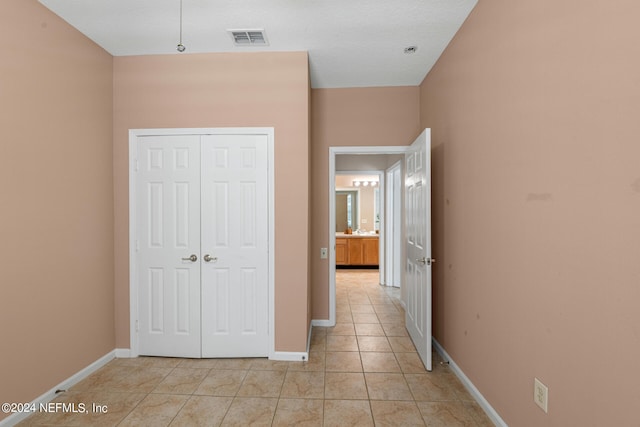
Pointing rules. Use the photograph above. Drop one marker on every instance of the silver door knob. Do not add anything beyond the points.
(209, 258)
(427, 261)
(422, 261)
(192, 258)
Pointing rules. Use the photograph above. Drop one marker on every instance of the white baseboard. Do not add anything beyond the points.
(123, 353)
(309, 337)
(64, 385)
(290, 356)
(322, 322)
(475, 393)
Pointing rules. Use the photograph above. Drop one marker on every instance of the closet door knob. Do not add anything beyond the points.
(192, 258)
(209, 258)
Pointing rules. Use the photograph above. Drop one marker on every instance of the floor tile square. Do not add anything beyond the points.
(341, 413)
(343, 361)
(342, 343)
(373, 343)
(429, 387)
(402, 344)
(365, 318)
(299, 413)
(393, 414)
(345, 385)
(387, 386)
(371, 329)
(202, 411)
(445, 414)
(379, 362)
(181, 381)
(250, 411)
(410, 363)
(303, 385)
(155, 410)
(221, 382)
(262, 384)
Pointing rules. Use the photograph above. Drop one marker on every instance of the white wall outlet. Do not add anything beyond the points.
(540, 395)
(323, 253)
(364, 220)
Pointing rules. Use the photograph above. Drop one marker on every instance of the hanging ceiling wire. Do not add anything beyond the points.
(181, 47)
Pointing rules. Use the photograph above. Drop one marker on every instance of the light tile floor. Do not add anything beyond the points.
(363, 372)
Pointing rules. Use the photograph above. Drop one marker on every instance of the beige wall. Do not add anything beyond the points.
(534, 115)
(56, 220)
(350, 117)
(222, 90)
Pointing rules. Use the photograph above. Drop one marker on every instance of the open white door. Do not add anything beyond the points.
(418, 244)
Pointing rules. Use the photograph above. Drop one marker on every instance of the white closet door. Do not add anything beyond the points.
(234, 246)
(168, 234)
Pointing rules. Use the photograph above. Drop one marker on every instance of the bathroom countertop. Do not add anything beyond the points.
(364, 236)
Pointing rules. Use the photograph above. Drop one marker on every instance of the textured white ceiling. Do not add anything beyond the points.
(351, 43)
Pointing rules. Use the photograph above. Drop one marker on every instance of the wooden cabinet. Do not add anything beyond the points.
(342, 254)
(370, 251)
(357, 251)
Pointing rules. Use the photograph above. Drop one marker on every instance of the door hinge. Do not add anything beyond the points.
(137, 326)
(136, 165)
(137, 245)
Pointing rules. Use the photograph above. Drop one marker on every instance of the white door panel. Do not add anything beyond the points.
(168, 231)
(234, 234)
(418, 245)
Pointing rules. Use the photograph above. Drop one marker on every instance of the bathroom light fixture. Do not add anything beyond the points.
(365, 183)
(181, 47)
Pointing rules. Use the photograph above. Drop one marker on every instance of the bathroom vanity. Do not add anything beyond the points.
(357, 249)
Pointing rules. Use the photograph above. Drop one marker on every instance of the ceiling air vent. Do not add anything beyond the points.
(249, 37)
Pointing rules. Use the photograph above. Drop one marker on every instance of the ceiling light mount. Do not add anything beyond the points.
(181, 48)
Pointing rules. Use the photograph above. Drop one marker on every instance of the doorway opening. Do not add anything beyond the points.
(373, 161)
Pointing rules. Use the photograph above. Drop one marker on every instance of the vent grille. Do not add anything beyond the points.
(249, 37)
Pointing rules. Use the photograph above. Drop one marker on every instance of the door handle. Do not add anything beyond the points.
(427, 261)
(209, 258)
(192, 258)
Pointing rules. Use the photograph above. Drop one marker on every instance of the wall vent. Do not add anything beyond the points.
(249, 37)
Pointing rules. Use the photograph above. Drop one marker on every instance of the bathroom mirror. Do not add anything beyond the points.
(346, 210)
(357, 203)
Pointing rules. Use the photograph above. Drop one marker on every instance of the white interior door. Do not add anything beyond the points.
(234, 246)
(202, 256)
(168, 229)
(418, 245)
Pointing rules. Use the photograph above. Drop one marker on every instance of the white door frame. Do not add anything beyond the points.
(333, 152)
(133, 283)
(393, 206)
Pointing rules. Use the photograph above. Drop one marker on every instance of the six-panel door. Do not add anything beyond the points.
(235, 237)
(202, 245)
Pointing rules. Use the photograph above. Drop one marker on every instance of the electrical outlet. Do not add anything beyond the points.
(323, 253)
(540, 394)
